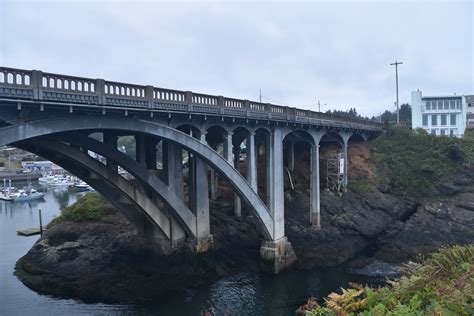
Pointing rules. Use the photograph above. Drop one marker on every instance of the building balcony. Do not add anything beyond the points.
(443, 111)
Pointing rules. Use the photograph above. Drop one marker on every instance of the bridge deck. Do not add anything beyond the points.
(49, 88)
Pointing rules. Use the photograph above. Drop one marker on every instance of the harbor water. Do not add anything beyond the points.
(242, 294)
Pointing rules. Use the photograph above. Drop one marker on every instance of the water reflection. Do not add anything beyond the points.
(242, 294)
(62, 197)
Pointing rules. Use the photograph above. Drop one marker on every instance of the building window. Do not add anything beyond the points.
(443, 132)
(446, 105)
(452, 104)
(443, 120)
(440, 105)
(425, 120)
(458, 105)
(453, 119)
(434, 120)
(433, 132)
(451, 132)
(428, 105)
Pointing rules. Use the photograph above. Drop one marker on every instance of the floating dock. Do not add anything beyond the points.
(29, 231)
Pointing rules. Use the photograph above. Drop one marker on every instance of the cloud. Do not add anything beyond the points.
(297, 53)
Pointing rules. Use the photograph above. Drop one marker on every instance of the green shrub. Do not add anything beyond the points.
(414, 162)
(441, 285)
(89, 207)
(361, 186)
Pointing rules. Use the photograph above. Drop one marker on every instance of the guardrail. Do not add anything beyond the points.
(42, 86)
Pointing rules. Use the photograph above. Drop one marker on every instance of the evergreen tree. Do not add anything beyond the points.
(405, 114)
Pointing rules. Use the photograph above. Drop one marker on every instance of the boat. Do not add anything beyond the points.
(56, 181)
(5, 196)
(25, 196)
(82, 187)
(46, 179)
(61, 183)
(7, 190)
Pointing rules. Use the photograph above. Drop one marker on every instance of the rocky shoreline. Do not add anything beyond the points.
(107, 261)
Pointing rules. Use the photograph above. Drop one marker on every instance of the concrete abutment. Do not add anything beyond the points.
(276, 255)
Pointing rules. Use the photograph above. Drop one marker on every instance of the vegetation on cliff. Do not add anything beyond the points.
(90, 207)
(441, 285)
(415, 163)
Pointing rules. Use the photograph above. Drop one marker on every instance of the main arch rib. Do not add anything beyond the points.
(23, 131)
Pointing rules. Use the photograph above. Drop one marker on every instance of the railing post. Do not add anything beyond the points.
(37, 84)
(100, 91)
(149, 95)
(188, 97)
(189, 100)
(220, 101)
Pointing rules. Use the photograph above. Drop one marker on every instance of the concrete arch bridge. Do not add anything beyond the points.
(76, 123)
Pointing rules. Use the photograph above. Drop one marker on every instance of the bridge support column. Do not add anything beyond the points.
(173, 175)
(345, 137)
(228, 148)
(268, 169)
(214, 180)
(140, 151)
(345, 167)
(237, 201)
(150, 153)
(111, 139)
(233, 159)
(204, 240)
(200, 190)
(252, 161)
(315, 216)
(291, 156)
(277, 194)
(214, 184)
(277, 254)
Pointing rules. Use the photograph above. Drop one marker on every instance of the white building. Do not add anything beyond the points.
(440, 115)
(470, 111)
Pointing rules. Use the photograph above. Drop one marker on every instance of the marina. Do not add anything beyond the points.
(12, 194)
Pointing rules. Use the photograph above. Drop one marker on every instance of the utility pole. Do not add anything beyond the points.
(396, 63)
(260, 95)
(319, 107)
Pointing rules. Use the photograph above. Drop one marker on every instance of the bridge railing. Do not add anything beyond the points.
(36, 85)
(15, 77)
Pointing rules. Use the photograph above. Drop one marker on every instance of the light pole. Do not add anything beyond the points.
(319, 106)
(396, 63)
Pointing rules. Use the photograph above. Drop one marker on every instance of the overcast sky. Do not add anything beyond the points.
(296, 52)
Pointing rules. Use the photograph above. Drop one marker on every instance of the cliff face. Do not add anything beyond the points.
(380, 225)
(106, 261)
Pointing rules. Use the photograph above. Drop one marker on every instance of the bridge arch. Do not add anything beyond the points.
(23, 131)
(118, 191)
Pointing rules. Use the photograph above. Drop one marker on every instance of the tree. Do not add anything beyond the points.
(405, 114)
(390, 117)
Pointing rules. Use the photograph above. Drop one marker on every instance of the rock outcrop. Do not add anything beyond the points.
(107, 261)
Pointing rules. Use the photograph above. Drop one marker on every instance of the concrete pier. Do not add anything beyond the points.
(276, 255)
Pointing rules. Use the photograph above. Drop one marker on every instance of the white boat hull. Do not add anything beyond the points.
(29, 197)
